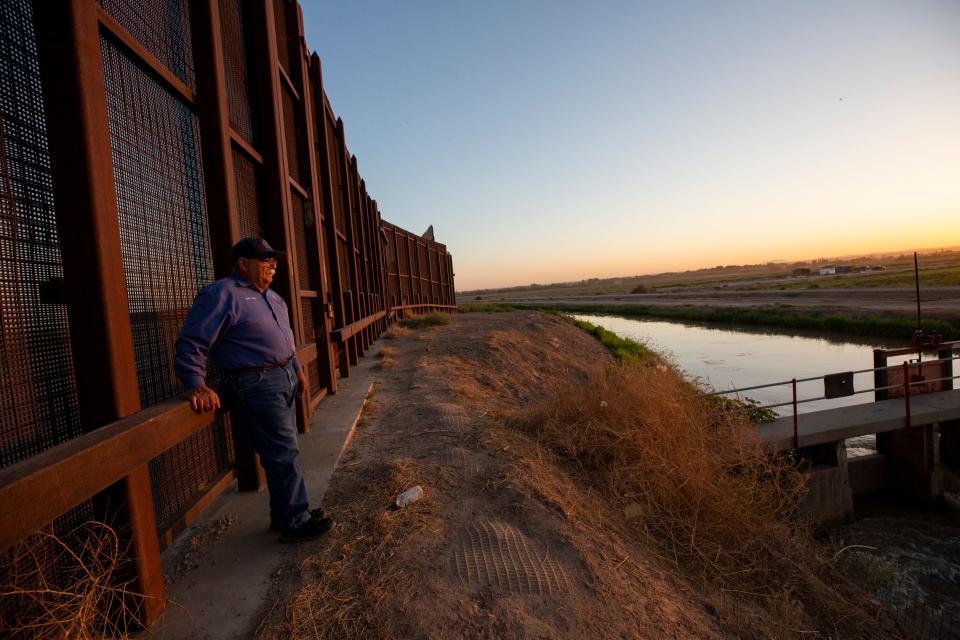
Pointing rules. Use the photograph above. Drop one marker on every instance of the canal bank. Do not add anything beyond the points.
(912, 552)
(537, 522)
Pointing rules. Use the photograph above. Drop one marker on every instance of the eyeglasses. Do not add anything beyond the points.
(264, 262)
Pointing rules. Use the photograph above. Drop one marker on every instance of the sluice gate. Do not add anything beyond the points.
(915, 417)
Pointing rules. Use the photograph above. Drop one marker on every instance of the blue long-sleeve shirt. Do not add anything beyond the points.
(234, 326)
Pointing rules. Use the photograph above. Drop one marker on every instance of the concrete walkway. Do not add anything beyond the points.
(237, 557)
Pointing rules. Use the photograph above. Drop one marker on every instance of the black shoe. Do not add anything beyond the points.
(314, 513)
(311, 530)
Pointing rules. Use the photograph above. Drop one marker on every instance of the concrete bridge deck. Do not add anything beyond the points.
(835, 425)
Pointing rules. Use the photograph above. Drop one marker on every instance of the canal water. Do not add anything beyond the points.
(734, 358)
(923, 545)
(725, 358)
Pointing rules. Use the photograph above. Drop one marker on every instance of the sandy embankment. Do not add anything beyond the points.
(505, 544)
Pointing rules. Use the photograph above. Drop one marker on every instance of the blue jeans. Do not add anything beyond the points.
(261, 403)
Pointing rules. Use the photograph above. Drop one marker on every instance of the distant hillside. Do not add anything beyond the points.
(941, 256)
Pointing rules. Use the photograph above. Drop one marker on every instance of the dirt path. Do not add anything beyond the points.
(502, 545)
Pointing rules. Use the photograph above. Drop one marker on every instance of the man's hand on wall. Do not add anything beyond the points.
(203, 398)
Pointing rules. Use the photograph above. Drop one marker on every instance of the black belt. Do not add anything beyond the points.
(266, 367)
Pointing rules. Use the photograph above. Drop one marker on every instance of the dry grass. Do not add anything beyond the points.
(55, 589)
(387, 358)
(699, 492)
(345, 585)
(395, 331)
(718, 548)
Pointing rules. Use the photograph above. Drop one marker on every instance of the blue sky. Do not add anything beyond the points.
(550, 141)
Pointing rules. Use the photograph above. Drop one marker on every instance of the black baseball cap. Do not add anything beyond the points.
(253, 248)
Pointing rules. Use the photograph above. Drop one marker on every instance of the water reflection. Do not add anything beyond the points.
(734, 358)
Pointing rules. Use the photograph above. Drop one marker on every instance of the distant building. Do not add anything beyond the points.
(844, 269)
(828, 271)
(801, 271)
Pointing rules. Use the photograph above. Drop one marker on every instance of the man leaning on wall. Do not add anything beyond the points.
(241, 326)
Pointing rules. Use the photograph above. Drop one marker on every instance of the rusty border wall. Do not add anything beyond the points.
(139, 140)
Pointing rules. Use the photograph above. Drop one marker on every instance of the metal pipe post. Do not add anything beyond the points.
(796, 431)
(906, 392)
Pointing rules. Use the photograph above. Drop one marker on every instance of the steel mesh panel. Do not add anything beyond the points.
(291, 131)
(165, 242)
(334, 159)
(344, 255)
(422, 268)
(38, 396)
(352, 207)
(346, 251)
(309, 326)
(280, 8)
(451, 291)
(363, 260)
(187, 470)
(444, 284)
(403, 268)
(246, 175)
(430, 273)
(40, 567)
(391, 252)
(304, 232)
(348, 301)
(419, 285)
(46, 555)
(313, 375)
(300, 240)
(155, 142)
(162, 27)
(234, 16)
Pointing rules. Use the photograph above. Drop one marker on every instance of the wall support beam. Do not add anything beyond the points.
(72, 78)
